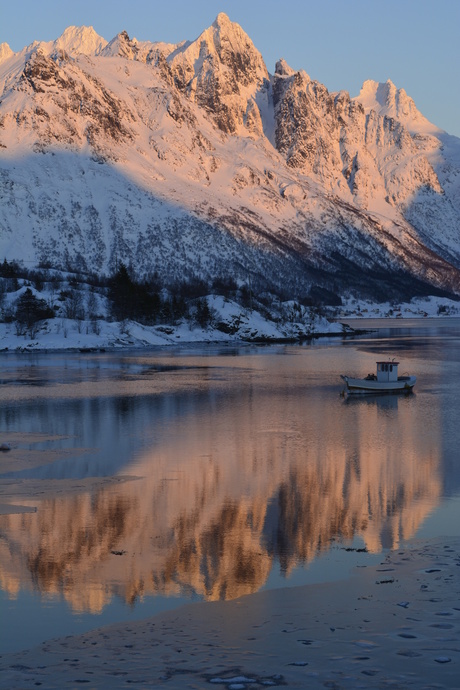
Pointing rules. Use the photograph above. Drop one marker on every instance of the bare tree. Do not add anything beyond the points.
(73, 307)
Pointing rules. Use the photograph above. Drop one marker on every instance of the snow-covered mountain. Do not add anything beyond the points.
(193, 160)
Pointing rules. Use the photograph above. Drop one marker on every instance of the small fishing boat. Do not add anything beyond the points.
(386, 380)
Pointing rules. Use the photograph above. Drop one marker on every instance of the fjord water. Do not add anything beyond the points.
(236, 468)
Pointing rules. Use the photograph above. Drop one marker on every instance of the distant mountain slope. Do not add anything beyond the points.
(192, 159)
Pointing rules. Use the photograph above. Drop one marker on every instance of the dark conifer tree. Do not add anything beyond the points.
(30, 310)
(122, 294)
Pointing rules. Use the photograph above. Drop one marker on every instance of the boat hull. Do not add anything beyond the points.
(404, 384)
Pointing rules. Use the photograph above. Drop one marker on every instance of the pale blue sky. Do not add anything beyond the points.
(415, 43)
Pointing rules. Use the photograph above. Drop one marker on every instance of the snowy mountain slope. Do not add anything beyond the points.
(432, 205)
(191, 159)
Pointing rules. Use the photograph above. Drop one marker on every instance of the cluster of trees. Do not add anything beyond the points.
(145, 302)
(29, 310)
(122, 297)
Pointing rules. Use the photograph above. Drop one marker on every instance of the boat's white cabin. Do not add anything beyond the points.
(387, 371)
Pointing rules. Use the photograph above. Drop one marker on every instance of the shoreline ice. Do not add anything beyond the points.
(396, 624)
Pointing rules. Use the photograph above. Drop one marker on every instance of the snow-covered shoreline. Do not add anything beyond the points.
(231, 323)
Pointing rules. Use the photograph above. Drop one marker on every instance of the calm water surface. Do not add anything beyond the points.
(237, 469)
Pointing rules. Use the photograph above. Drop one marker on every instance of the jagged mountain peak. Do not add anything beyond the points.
(80, 39)
(386, 95)
(223, 42)
(282, 69)
(223, 72)
(5, 52)
(74, 40)
(222, 20)
(121, 46)
(223, 29)
(387, 100)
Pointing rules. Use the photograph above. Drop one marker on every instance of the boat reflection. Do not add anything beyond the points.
(246, 481)
(381, 400)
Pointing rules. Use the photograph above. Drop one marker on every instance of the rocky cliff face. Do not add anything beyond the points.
(193, 159)
(331, 137)
(222, 72)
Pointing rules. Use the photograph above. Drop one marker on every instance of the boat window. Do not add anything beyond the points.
(391, 367)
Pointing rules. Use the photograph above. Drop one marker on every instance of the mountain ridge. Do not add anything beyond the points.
(295, 185)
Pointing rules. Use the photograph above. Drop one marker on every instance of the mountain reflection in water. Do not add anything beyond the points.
(240, 467)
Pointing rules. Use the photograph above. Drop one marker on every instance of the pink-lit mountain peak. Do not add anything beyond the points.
(387, 100)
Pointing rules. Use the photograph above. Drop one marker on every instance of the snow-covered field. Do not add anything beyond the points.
(418, 307)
